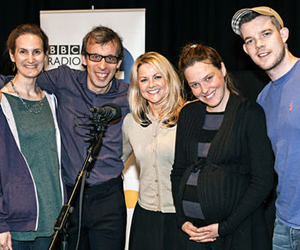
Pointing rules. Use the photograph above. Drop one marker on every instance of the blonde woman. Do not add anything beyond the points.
(149, 132)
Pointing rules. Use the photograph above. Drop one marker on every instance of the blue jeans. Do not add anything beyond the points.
(285, 237)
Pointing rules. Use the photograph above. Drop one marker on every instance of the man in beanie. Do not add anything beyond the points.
(265, 38)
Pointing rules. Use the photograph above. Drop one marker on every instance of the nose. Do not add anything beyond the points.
(102, 63)
(151, 83)
(30, 57)
(259, 44)
(204, 88)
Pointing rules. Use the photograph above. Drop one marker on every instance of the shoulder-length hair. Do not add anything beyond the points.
(168, 116)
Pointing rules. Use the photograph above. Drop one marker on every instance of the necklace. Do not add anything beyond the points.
(36, 108)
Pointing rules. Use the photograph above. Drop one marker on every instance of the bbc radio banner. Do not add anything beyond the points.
(66, 30)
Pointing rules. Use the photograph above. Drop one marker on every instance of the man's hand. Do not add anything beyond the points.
(5, 241)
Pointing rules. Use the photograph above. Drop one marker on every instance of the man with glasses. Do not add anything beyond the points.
(104, 211)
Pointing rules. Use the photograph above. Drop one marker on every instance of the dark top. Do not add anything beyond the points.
(191, 203)
(241, 147)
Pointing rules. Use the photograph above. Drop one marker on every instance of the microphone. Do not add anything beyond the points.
(108, 111)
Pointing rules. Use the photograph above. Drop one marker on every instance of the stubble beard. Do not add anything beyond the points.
(278, 61)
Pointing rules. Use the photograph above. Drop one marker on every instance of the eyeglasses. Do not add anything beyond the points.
(98, 58)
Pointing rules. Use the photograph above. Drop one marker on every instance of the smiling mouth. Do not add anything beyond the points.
(153, 91)
(102, 75)
(209, 95)
(263, 54)
(30, 66)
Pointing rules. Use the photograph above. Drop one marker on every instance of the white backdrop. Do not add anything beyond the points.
(66, 30)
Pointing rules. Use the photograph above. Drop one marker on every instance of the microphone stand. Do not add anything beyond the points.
(60, 224)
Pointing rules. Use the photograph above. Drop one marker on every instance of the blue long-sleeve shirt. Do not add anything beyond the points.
(75, 100)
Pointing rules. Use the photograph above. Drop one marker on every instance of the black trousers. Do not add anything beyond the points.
(103, 218)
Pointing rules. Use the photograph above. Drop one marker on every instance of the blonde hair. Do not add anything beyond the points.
(168, 116)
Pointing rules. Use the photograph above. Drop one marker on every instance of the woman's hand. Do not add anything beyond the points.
(5, 241)
(202, 234)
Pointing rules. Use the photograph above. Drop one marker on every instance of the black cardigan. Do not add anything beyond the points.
(241, 145)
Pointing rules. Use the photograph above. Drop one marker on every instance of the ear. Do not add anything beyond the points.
(223, 69)
(119, 64)
(284, 33)
(12, 56)
(245, 49)
(83, 60)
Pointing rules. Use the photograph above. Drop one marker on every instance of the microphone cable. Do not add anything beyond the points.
(80, 207)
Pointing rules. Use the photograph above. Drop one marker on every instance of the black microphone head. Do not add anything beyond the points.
(109, 111)
(116, 111)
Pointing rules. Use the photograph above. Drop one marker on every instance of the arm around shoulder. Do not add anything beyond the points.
(127, 149)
